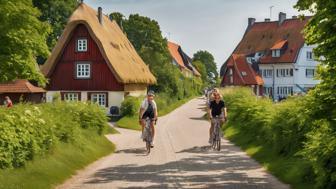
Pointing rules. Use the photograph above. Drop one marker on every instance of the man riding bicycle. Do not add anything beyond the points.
(148, 109)
(216, 109)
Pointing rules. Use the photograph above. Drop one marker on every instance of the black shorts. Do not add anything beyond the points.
(148, 115)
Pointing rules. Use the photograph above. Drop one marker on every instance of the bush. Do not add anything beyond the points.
(295, 128)
(27, 131)
(130, 106)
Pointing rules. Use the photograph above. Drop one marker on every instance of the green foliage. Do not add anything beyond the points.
(23, 38)
(201, 69)
(320, 148)
(145, 35)
(130, 106)
(28, 131)
(64, 161)
(208, 61)
(280, 128)
(56, 13)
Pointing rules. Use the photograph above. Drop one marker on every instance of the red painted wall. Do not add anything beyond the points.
(63, 76)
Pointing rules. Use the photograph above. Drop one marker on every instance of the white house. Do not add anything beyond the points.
(277, 52)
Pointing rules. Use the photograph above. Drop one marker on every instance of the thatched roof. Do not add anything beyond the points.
(118, 52)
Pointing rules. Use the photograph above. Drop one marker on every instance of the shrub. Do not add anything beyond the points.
(27, 131)
(130, 106)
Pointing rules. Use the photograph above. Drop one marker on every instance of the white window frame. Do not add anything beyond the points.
(99, 98)
(82, 45)
(83, 70)
(230, 71)
(70, 97)
(267, 73)
(276, 53)
(285, 90)
(309, 55)
(268, 91)
(310, 73)
(243, 73)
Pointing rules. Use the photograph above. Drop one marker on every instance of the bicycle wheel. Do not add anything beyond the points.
(218, 144)
(148, 147)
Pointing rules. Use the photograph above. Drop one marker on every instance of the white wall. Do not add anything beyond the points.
(115, 98)
(301, 65)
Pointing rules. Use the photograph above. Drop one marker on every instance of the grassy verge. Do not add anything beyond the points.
(291, 170)
(66, 158)
(133, 122)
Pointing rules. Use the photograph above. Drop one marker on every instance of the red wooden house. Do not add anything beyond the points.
(94, 61)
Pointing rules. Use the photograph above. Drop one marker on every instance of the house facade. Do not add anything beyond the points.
(94, 61)
(182, 60)
(278, 54)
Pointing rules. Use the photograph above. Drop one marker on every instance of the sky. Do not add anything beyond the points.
(213, 25)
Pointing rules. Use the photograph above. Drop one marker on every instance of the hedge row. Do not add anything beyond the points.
(291, 127)
(27, 131)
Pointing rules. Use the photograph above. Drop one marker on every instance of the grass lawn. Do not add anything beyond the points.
(51, 170)
(291, 170)
(133, 122)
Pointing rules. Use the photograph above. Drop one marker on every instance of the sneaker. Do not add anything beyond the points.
(152, 144)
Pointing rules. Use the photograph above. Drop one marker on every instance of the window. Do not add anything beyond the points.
(309, 55)
(285, 91)
(268, 91)
(99, 98)
(284, 72)
(70, 96)
(230, 71)
(243, 73)
(310, 73)
(82, 45)
(231, 79)
(276, 53)
(267, 73)
(83, 71)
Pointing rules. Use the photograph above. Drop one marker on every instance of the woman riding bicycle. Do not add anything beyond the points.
(216, 109)
(148, 109)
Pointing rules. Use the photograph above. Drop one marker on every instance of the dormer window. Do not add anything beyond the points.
(82, 45)
(276, 53)
(243, 73)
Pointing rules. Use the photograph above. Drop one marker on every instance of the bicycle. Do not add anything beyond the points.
(147, 135)
(216, 134)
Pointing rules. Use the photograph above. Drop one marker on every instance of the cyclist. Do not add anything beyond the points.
(216, 109)
(148, 109)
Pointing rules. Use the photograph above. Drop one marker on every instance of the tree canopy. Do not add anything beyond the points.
(56, 13)
(321, 146)
(209, 62)
(22, 37)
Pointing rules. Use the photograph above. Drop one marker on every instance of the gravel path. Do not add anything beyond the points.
(181, 159)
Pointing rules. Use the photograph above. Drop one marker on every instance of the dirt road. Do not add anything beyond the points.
(181, 159)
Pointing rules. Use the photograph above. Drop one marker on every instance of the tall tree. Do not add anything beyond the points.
(56, 13)
(209, 62)
(22, 37)
(119, 18)
(320, 149)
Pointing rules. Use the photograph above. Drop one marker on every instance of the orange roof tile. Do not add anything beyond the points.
(173, 49)
(279, 45)
(238, 61)
(20, 86)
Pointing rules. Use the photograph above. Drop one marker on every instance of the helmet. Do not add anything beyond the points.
(150, 93)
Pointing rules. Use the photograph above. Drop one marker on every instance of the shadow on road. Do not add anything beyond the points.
(197, 167)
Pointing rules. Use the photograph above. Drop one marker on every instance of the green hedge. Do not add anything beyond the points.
(27, 131)
(291, 128)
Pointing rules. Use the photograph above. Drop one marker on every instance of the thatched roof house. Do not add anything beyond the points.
(93, 56)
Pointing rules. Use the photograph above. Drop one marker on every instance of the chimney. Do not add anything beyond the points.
(294, 17)
(251, 21)
(267, 19)
(81, 1)
(100, 15)
(282, 17)
(111, 17)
